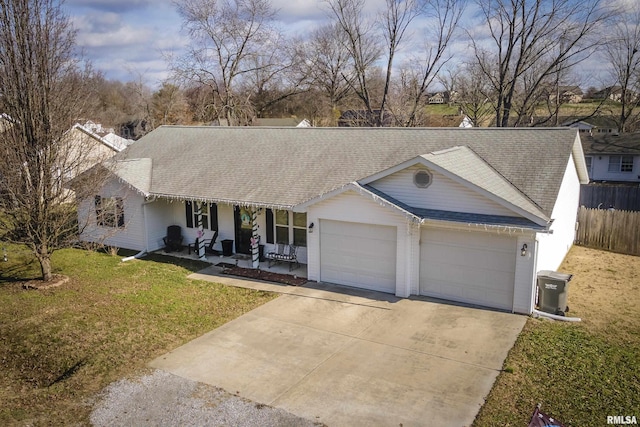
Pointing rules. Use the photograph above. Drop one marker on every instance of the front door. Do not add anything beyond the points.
(244, 229)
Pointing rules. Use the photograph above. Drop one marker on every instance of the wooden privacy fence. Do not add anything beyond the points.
(612, 230)
(623, 197)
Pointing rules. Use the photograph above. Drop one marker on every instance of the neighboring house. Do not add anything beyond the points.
(468, 215)
(283, 122)
(362, 118)
(591, 126)
(613, 158)
(438, 98)
(567, 94)
(614, 93)
(466, 122)
(92, 144)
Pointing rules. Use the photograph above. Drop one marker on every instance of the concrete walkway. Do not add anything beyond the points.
(349, 357)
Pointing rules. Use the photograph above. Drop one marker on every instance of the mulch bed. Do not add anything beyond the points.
(267, 276)
(56, 280)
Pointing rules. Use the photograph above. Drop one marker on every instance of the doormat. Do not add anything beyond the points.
(225, 265)
(267, 276)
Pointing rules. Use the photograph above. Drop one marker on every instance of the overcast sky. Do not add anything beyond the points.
(128, 39)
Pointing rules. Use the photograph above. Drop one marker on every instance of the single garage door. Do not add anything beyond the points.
(360, 255)
(474, 268)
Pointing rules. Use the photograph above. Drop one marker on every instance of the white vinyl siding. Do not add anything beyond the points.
(553, 247)
(353, 207)
(360, 255)
(470, 267)
(131, 236)
(442, 194)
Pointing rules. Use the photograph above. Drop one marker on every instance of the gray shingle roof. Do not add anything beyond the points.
(288, 166)
(626, 143)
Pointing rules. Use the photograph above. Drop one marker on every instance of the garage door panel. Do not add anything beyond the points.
(360, 255)
(471, 267)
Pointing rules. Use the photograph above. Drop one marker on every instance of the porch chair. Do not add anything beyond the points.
(208, 245)
(173, 239)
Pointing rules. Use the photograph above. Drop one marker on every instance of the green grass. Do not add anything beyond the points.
(580, 372)
(60, 346)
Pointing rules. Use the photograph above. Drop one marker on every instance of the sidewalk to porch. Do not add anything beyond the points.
(241, 260)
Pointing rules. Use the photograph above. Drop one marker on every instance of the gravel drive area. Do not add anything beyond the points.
(163, 399)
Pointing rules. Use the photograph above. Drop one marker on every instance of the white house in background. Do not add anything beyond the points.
(106, 137)
(468, 215)
(466, 122)
(612, 158)
(600, 125)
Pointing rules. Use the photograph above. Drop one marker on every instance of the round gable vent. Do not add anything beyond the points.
(422, 179)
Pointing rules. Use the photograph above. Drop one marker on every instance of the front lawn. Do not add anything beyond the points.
(60, 346)
(580, 372)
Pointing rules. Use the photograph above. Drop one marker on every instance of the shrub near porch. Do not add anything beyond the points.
(60, 346)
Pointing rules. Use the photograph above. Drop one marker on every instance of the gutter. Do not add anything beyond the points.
(143, 252)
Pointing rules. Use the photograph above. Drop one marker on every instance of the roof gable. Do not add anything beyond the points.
(474, 176)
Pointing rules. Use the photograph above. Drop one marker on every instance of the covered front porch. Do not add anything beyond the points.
(242, 261)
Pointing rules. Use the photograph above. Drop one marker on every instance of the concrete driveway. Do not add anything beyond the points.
(348, 357)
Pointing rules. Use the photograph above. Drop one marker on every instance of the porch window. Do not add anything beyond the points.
(209, 215)
(290, 227)
(109, 211)
(282, 227)
(588, 160)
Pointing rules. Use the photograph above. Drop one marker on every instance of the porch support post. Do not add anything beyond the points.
(200, 230)
(255, 240)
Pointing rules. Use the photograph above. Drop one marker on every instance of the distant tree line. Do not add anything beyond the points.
(240, 65)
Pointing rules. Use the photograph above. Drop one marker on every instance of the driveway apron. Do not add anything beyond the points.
(346, 357)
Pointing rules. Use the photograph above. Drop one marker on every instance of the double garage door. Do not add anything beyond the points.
(360, 255)
(470, 267)
(474, 268)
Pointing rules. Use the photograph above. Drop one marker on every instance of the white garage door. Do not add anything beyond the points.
(475, 268)
(360, 255)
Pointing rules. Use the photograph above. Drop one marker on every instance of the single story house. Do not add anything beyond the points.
(468, 215)
(612, 158)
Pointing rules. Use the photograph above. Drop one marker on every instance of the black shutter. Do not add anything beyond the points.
(120, 211)
(98, 204)
(189, 209)
(269, 214)
(213, 216)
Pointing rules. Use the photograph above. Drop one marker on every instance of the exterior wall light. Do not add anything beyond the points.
(311, 228)
(523, 250)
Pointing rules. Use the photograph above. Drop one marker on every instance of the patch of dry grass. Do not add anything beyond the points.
(60, 346)
(580, 372)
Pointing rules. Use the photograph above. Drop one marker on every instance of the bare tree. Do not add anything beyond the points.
(169, 106)
(623, 53)
(473, 95)
(43, 92)
(327, 64)
(360, 41)
(393, 25)
(228, 36)
(274, 76)
(530, 41)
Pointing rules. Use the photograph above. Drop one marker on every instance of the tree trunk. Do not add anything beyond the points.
(45, 265)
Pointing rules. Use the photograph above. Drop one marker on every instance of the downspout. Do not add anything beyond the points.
(144, 251)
